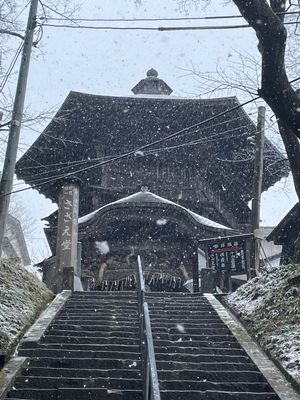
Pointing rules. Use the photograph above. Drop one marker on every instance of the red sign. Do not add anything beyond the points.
(225, 249)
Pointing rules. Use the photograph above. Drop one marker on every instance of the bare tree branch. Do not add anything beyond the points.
(11, 33)
(272, 35)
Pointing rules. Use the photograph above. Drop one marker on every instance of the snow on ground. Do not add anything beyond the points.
(269, 306)
(34, 271)
(22, 298)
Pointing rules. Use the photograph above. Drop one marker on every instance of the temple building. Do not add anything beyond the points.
(198, 173)
(286, 234)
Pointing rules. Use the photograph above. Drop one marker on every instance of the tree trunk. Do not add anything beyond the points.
(292, 147)
(275, 87)
(271, 33)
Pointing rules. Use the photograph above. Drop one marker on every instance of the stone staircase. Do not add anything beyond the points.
(91, 351)
(197, 356)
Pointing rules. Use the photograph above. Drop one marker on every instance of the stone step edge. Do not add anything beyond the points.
(10, 371)
(160, 363)
(185, 382)
(162, 371)
(281, 386)
(34, 334)
(79, 379)
(37, 330)
(131, 348)
(51, 369)
(82, 354)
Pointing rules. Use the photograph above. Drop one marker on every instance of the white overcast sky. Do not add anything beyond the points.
(112, 62)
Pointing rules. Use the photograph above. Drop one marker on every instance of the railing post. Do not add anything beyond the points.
(147, 379)
(141, 298)
(149, 371)
(154, 386)
(195, 266)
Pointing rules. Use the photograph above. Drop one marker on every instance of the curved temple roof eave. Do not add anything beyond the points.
(147, 200)
(59, 129)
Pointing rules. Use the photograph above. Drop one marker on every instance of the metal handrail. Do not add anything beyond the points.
(149, 370)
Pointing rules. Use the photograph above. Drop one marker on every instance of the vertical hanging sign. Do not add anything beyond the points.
(67, 236)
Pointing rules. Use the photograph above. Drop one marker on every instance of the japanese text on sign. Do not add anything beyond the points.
(67, 218)
(227, 255)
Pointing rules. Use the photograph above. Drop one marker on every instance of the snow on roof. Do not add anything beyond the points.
(158, 96)
(148, 197)
(133, 121)
(155, 96)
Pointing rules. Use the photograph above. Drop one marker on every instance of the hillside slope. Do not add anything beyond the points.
(22, 298)
(269, 306)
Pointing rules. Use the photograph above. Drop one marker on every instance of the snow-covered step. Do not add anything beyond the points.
(91, 352)
(91, 339)
(94, 373)
(57, 382)
(75, 394)
(197, 355)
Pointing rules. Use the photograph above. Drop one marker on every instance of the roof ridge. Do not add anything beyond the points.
(154, 97)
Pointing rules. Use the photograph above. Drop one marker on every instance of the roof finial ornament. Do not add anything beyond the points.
(152, 85)
(152, 73)
(144, 189)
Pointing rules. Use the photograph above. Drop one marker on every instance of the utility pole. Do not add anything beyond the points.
(257, 183)
(15, 126)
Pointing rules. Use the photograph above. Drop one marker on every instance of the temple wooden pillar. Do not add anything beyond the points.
(67, 237)
(195, 269)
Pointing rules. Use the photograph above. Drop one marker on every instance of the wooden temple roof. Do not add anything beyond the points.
(87, 128)
(140, 213)
(147, 200)
(287, 228)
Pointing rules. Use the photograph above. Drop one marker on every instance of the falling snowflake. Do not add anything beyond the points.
(134, 364)
(161, 222)
(180, 328)
(102, 247)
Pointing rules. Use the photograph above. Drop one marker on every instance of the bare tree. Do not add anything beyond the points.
(19, 211)
(267, 19)
(13, 18)
(13, 15)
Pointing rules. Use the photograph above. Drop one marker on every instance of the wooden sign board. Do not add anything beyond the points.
(229, 254)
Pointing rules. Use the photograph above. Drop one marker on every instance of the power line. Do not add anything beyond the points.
(44, 11)
(155, 19)
(141, 148)
(56, 12)
(138, 28)
(21, 12)
(207, 139)
(214, 27)
(11, 67)
(89, 160)
(159, 29)
(201, 28)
